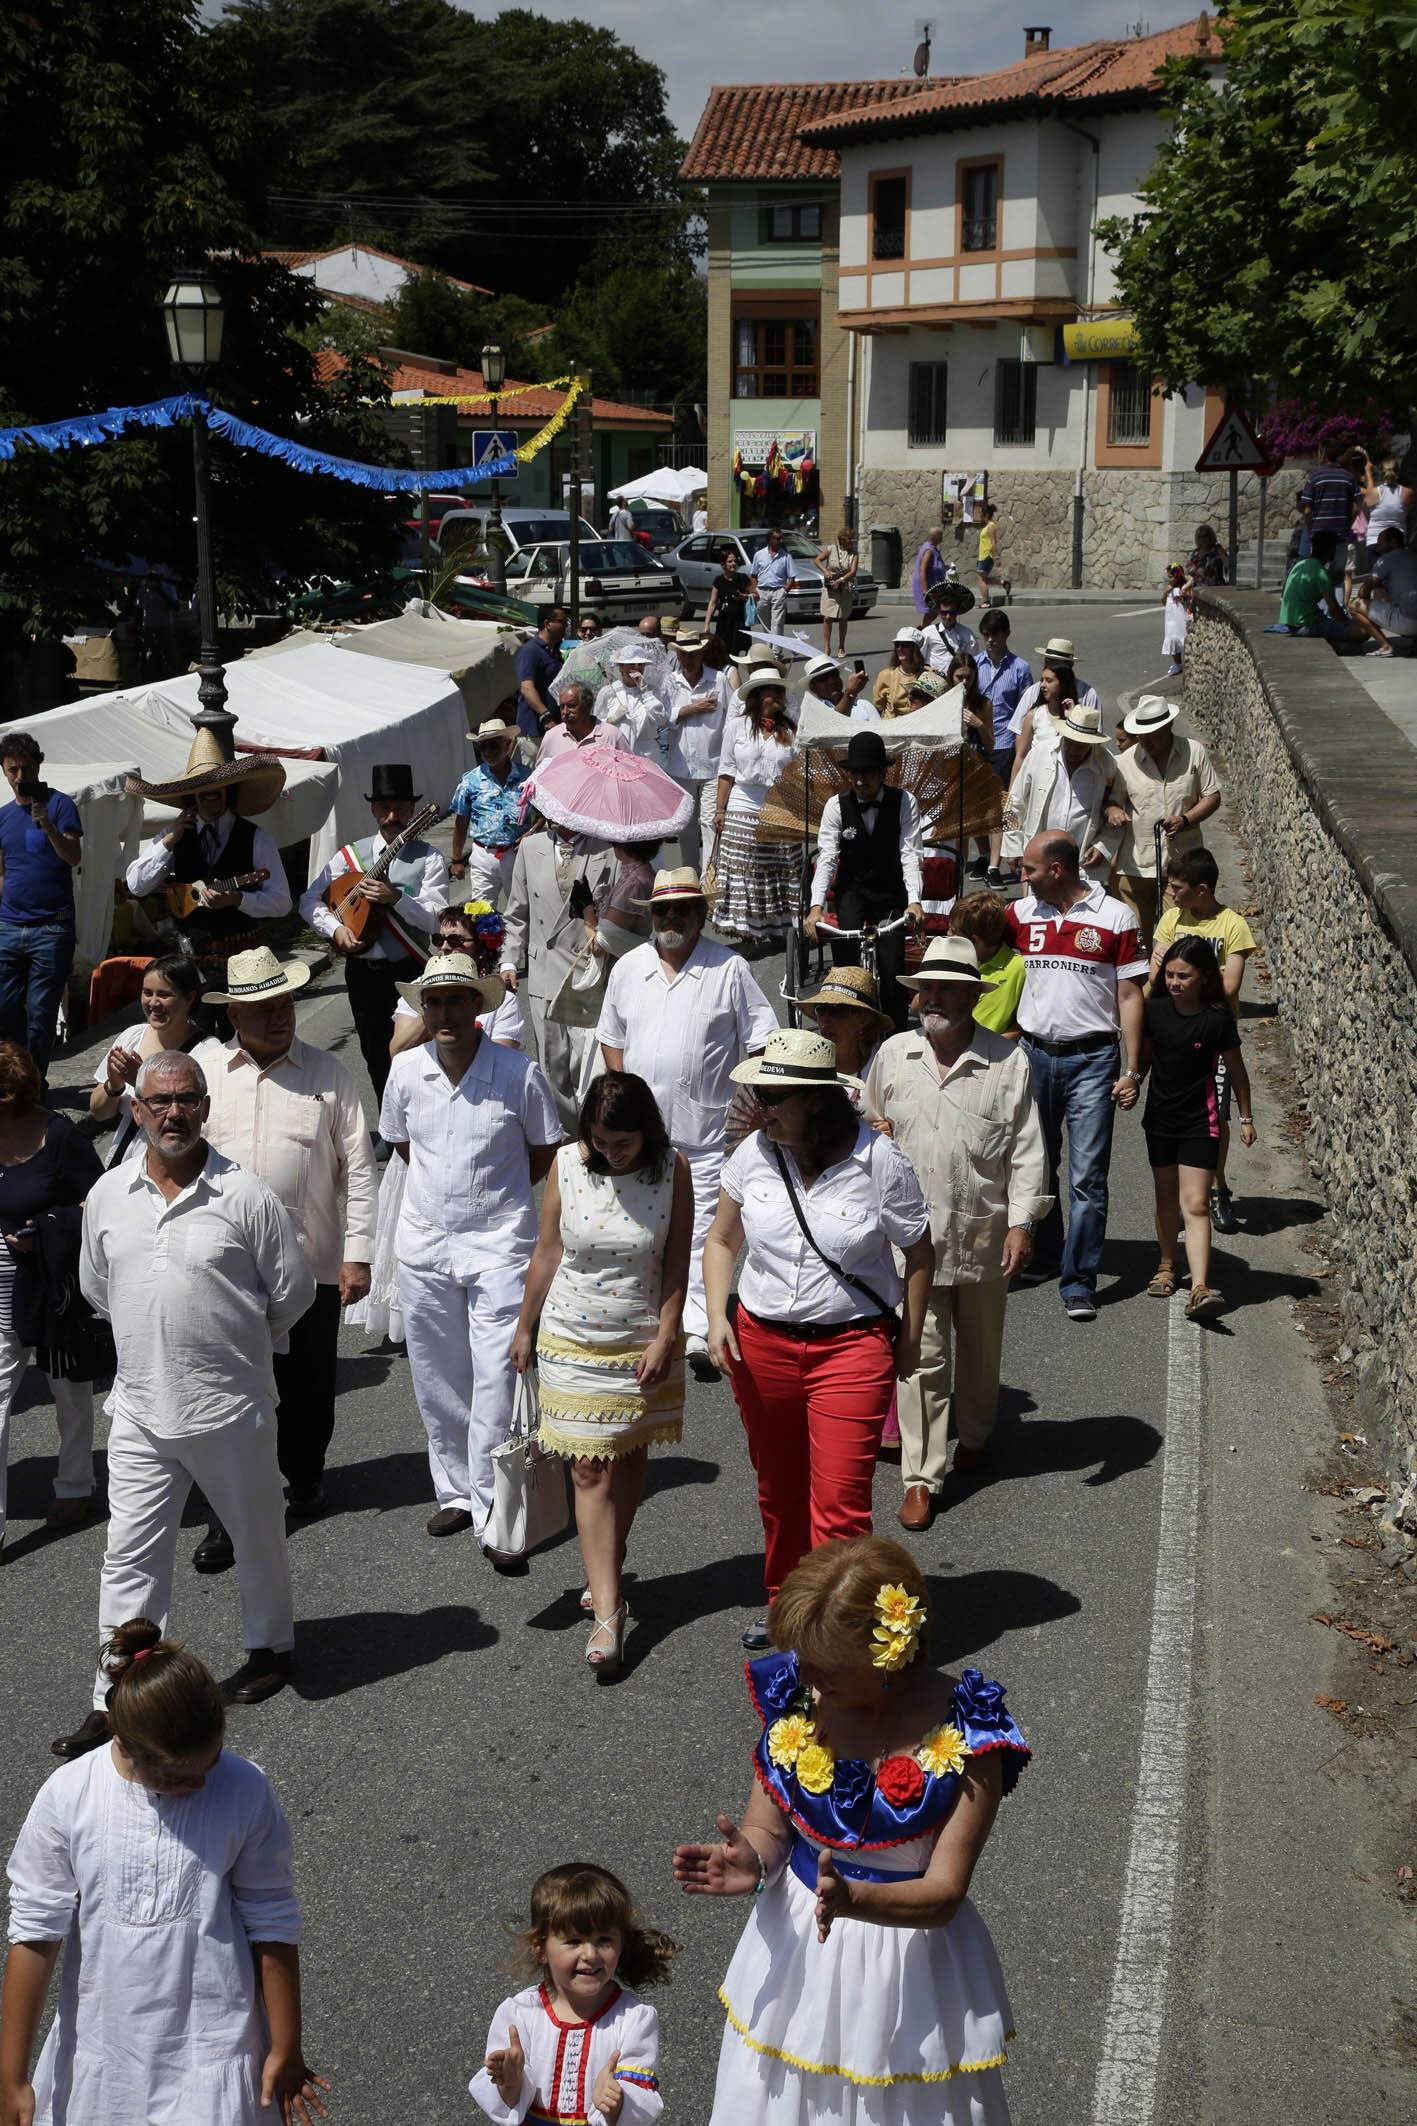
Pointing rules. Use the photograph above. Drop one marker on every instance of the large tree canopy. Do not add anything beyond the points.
(1278, 224)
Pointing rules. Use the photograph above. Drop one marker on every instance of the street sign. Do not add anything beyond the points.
(489, 444)
(1234, 447)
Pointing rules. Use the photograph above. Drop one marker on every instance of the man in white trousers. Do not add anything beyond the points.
(695, 703)
(680, 1012)
(477, 1125)
(197, 1265)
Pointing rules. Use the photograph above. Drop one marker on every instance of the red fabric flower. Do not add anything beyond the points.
(901, 1781)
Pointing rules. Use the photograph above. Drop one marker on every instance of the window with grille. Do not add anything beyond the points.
(888, 217)
(1015, 401)
(792, 224)
(979, 222)
(775, 358)
(928, 388)
(1128, 405)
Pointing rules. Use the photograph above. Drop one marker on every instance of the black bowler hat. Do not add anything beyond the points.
(866, 750)
(391, 778)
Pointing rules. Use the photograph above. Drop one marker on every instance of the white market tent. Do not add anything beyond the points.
(670, 486)
(938, 723)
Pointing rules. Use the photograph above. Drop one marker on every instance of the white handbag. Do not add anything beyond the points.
(529, 1503)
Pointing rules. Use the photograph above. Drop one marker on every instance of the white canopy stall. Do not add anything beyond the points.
(669, 486)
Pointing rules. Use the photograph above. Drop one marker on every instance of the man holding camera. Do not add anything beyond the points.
(41, 841)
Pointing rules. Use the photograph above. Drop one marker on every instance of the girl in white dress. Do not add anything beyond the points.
(577, 2047)
(607, 1280)
(864, 1990)
(756, 881)
(161, 1865)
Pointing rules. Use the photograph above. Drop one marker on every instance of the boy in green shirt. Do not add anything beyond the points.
(1193, 875)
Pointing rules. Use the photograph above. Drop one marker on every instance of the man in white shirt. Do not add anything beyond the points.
(1066, 787)
(700, 518)
(1085, 964)
(695, 703)
(960, 1104)
(1163, 780)
(622, 522)
(412, 894)
(630, 701)
(680, 1012)
(868, 843)
(578, 726)
(291, 1114)
(197, 1266)
(947, 637)
(477, 1125)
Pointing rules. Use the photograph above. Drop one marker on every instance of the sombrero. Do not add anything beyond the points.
(257, 778)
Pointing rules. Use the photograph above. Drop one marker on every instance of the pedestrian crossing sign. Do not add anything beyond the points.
(1234, 447)
(490, 444)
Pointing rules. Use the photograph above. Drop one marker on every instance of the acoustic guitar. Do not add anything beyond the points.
(353, 909)
(183, 901)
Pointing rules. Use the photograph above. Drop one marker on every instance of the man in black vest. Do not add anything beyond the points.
(869, 844)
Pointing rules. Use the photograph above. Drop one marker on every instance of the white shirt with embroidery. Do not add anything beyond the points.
(564, 2061)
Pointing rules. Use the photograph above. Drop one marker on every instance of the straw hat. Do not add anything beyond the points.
(690, 645)
(257, 778)
(1152, 713)
(792, 1057)
(947, 960)
(453, 970)
(854, 989)
(930, 684)
(683, 884)
(1081, 722)
(818, 667)
(669, 627)
(257, 976)
(493, 728)
(758, 682)
(1056, 646)
(761, 653)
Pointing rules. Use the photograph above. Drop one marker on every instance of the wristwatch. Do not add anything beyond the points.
(1027, 1225)
(1135, 1075)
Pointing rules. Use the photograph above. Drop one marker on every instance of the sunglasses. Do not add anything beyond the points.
(775, 1099)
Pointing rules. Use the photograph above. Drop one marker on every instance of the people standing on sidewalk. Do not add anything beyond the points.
(1191, 877)
(959, 1100)
(1190, 1030)
(41, 843)
(1082, 995)
(1208, 565)
(773, 576)
(1163, 780)
(607, 1282)
(838, 563)
(479, 1129)
(868, 847)
(1176, 614)
(489, 818)
(816, 1343)
(680, 1012)
(197, 1266)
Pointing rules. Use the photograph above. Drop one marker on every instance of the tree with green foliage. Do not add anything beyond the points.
(1279, 221)
(125, 152)
(638, 318)
(432, 316)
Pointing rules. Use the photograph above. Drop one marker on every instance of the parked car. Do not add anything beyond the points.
(699, 560)
(619, 580)
(660, 528)
(521, 527)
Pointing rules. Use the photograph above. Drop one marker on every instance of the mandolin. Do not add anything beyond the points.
(183, 901)
(342, 895)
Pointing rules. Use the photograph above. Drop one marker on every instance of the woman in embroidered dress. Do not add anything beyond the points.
(576, 2047)
(756, 881)
(607, 1280)
(864, 1992)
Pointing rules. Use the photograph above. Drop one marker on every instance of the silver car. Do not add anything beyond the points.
(700, 559)
(619, 580)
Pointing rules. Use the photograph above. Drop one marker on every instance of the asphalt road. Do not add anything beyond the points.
(444, 1739)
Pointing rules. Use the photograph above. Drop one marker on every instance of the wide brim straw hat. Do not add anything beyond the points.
(493, 728)
(1082, 723)
(1056, 646)
(256, 778)
(682, 884)
(453, 970)
(947, 959)
(853, 989)
(257, 976)
(691, 645)
(1152, 713)
(793, 1057)
(758, 682)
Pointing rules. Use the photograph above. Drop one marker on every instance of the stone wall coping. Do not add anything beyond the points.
(1357, 768)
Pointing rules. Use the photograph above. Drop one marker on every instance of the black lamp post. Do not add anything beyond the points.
(193, 314)
(494, 376)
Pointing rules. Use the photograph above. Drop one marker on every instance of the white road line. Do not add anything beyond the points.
(1126, 2087)
(1136, 612)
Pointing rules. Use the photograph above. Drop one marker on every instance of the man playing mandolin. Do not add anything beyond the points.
(377, 901)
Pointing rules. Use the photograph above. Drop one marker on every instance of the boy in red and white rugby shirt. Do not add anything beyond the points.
(1085, 965)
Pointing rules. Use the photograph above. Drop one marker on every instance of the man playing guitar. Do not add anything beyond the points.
(219, 873)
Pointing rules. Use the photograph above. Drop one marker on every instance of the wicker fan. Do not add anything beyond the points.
(794, 807)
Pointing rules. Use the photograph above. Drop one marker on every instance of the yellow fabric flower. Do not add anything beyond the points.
(898, 1610)
(901, 1617)
(890, 1649)
(943, 1750)
(816, 1768)
(788, 1737)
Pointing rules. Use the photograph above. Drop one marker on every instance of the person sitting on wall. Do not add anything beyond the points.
(1309, 604)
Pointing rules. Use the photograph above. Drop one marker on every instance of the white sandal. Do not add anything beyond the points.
(605, 1664)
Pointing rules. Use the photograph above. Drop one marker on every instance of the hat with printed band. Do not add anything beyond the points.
(690, 645)
(947, 959)
(792, 1057)
(257, 977)
(453, 970)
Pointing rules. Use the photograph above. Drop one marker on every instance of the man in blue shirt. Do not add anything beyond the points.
(41, 841)
(1005, 678)
(773, 577)
(489, 818)
(538, 665)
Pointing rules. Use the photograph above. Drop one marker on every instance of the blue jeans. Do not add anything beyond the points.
(35, 961)
(1076, 1091)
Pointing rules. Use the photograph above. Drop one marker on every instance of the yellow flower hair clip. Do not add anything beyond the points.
(476, 908)
(901, 1617)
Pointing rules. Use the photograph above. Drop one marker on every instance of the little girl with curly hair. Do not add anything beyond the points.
(577, 2044)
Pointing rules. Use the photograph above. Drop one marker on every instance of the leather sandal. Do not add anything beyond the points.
(1204, 1300)
(1163, 1284)
(606, 1664)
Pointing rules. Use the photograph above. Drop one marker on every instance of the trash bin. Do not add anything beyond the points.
(887, 555)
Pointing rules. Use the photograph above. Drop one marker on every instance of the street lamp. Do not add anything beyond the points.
(193, 314)
(494, 376)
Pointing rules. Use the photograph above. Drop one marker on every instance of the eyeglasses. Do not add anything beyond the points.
(159, 1103)
(775, 1099)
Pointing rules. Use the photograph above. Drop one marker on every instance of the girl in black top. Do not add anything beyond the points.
(727, 608)
(1189, 1027)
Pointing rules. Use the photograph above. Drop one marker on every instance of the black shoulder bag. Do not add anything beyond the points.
(858, 1284)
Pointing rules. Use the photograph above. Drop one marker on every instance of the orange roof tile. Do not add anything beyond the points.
(445, 380)
(752, 130)
(1120, 69)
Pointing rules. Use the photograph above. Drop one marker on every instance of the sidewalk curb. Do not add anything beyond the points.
(1045, 597)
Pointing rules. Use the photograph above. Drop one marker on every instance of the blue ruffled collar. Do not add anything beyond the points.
(905, 1797)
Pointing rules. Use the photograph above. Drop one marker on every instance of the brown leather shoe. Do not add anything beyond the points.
(970, 1458)
(259, 1677)
(69, 1513)
(94, 1730)
(917, 1508)
(449, 1520)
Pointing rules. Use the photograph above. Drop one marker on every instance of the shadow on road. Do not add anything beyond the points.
(344, 1653)
(667, 1602)
(1025, 1445)
(1132, 1263)
(970, 1611)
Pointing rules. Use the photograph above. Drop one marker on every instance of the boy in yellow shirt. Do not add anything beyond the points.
(1192, 875)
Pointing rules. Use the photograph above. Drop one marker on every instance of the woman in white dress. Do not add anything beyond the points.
(755, 881)
(171, 991)
(877, 1784)
(607, 1282)
(161, 1865)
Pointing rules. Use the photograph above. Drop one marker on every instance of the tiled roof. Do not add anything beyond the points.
(753, 130)
(1109, 69)
(294, 259)
(446, 380)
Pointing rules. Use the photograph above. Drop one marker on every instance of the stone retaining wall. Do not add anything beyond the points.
(1325, 790)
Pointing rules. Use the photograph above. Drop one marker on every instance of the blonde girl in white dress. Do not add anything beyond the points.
(607, 1282)
(160, 1864)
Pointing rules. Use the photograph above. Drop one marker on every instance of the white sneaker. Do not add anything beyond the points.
(695, 1347)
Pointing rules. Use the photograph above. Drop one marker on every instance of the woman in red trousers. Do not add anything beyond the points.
(821, 1330)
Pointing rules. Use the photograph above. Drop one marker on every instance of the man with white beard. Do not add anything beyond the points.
(680, 1012)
